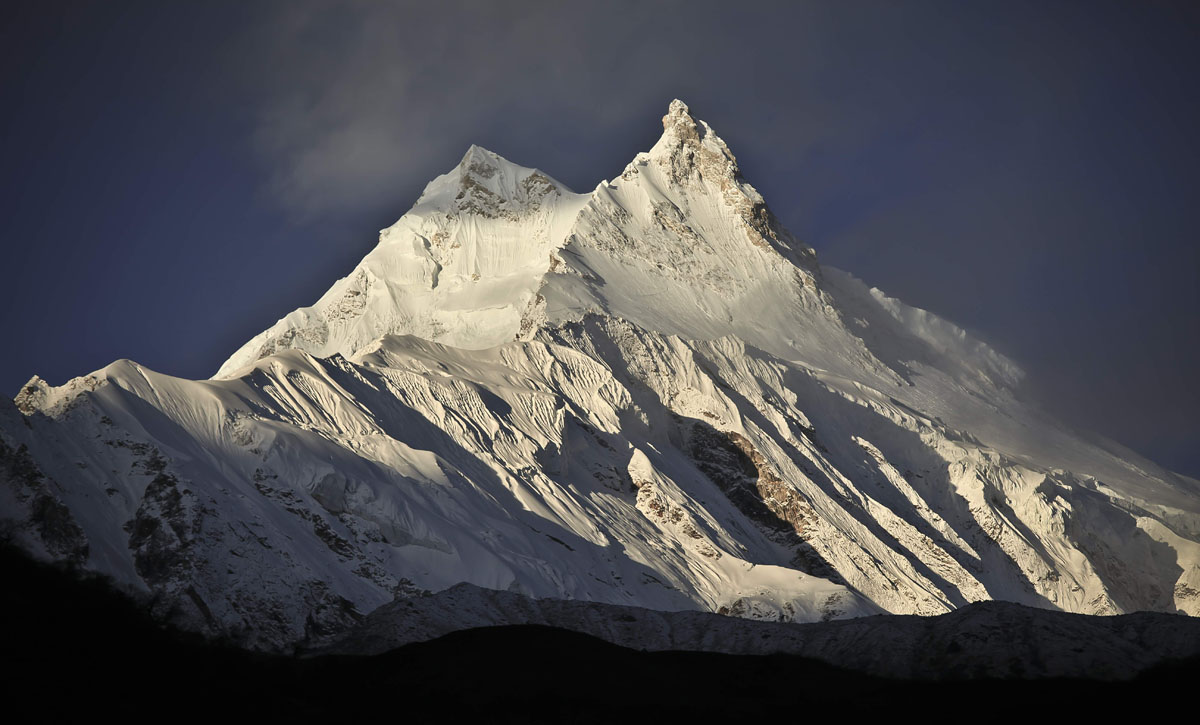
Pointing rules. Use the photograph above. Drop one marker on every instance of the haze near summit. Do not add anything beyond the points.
(175, 176)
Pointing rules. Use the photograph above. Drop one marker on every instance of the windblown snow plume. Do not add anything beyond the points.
(647, 395)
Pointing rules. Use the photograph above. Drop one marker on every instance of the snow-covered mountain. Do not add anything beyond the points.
(648, 395)
(982, 640)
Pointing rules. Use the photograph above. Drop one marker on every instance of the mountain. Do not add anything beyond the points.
(76, 635)
(648, 395)
(983, 640)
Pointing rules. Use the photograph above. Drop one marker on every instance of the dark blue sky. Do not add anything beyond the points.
(176, 176)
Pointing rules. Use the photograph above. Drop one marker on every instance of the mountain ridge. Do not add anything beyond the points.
(647, 395)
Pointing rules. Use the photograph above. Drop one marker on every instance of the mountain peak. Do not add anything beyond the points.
(478, 155)
(690, 155)
(677, 112)
(482, 168)
(486, 184)
(690, 149)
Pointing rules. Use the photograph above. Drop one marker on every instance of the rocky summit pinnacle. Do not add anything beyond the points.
(650, 395)
(690, 147)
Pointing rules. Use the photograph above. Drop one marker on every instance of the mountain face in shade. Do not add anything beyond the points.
(647, 395)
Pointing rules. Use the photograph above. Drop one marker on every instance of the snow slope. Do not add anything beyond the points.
(648, 395)
(461, 267)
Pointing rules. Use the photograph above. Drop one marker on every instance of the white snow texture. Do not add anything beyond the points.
(648, 395)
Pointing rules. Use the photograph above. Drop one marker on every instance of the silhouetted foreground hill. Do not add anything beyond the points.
(79, 649)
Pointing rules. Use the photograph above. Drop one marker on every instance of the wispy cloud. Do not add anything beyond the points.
(356, 100)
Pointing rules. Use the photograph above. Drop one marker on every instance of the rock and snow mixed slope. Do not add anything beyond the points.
(648, 395)
(982, 640)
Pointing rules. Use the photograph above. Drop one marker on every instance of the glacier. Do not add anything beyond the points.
(649, 395)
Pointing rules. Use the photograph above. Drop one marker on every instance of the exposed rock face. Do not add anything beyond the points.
(648, 395)
(46, 524)
(752, 485)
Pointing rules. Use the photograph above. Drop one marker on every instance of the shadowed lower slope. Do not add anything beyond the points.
(77, 647)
